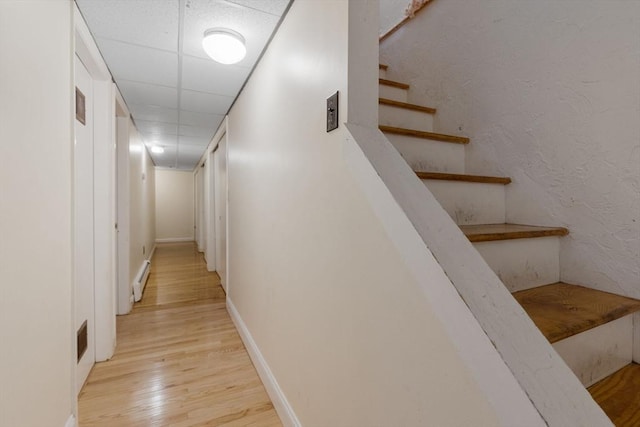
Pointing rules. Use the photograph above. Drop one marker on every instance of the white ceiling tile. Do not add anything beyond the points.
(195, 131)
(187, 161)
(199, 141)
(154, 114)
(165, 141)
(273, 7)
(191, 149)
(200, 15)
(165, 160)
(141, 64)
(152, 23)
(201, 102)
(139, 41)
(200, 119)
(206, 75)
(155, 128)
(143, 93)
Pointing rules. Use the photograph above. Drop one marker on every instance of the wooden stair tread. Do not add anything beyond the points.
(393, 83)
(619, 396)
(493, 232)
(561, 310)
(465, 178)
(425, 135)
(406, 105)
(383, 67)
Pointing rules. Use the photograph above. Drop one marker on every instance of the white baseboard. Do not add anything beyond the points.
(175, 239)
(71, 422)
(280, 402)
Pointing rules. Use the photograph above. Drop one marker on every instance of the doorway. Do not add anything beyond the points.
(84, 225)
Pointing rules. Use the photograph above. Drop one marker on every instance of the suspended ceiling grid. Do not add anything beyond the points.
(176, 94)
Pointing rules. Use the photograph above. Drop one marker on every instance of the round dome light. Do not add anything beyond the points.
(224, 46)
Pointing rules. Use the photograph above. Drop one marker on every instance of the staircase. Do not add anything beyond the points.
(591, 330)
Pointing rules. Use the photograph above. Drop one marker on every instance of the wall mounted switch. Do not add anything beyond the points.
(332, 112)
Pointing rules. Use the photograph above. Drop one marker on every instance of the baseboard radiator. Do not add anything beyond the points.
(141, 281)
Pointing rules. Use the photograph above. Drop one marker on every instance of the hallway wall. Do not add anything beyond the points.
(142, 203)
(37, 346)
(315, 283)
(174, 205)
(549, 93)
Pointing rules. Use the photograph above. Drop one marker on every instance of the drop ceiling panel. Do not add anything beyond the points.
(200, 141)
(195, 131)
(255, 26)
(156, 128)
(154, 114)
(187, 149)
(143, 93)
(187, 161)
(273, 7)
(152, 23)
(141, 64)
(163, 140)
(201, 102)
(171, 91)
(200, 119)
(168, 159)
(205, 75)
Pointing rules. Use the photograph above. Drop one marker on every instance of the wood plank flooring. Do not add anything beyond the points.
(619, 396)
(179, 360)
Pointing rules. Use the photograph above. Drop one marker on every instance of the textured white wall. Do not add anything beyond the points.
(334, 310)
(36, 139)
(391, 13)
(174, 204)
(142, 203)
(549, 93)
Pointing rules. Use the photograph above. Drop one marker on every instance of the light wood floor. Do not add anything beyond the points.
(179, 360)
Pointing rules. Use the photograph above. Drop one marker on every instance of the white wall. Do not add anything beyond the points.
(314, 280)
(142, 203)
(550, 95)
(174, 205)
(36, 137)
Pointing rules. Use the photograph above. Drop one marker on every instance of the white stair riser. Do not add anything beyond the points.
(382, 73)
(523, 263)
(470, 203)
(599, 352)
(405, 118)
(427, 155)
(392, 92)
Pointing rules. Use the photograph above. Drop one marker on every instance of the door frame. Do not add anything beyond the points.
(105, 248)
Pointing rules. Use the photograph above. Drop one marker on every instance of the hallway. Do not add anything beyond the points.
(179, 360)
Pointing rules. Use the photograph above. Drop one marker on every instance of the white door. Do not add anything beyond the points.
(220, 171)
(84, 225)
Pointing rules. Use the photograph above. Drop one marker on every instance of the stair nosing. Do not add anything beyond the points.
(425, 135)
(610, 316)
(512, 235)
(481, 179)
(393, 83)
(406, 105)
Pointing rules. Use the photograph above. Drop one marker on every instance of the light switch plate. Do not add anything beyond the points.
(332, 112)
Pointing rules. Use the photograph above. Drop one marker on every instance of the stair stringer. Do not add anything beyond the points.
(414, 219)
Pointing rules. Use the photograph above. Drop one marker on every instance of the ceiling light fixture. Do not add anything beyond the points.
(224, 46)
(156, 149)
